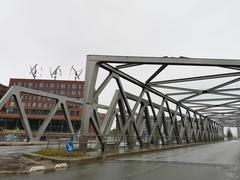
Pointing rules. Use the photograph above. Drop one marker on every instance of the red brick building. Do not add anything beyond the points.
(37, 107)
(3, 90)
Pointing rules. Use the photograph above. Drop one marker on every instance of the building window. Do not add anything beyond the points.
(67, 92)
(71, 113)
(74, 86)
(52, 85)
(36, 85)
(57, 86)
(12, 104)
(63, 86)
(62, 92)
(45, 105)
(70, 107)
(77, 113)
(73, 92)
(39, 98)
(33, 104)
(39, 105)
(69, 86)
(41, 85)
(30, 85)
(79, 86)
(52, 91)
(81, 100)
(19, 84)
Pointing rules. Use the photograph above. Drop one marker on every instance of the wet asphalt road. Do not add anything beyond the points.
(220, 161)
(8, 150)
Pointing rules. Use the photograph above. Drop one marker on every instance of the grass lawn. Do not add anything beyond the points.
(59, 153)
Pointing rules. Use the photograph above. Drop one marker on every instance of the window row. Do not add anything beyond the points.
(47, 85)
(42, 112)
(41, 105)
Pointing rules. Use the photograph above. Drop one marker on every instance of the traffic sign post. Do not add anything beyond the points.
(69, 147)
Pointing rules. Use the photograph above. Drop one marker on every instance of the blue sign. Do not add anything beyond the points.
(69, 147)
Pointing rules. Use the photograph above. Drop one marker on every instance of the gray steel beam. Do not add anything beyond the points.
(215, 76)
(108, 120)
(213, 92)
(213, 99)
(174, 88)
(67, 117)
(127, 65)
(23, 115)
(156, 73)
(139, 83)
(219, 105)
(45, 123)
(165, 60)
(156, 120)
(102, 86)
(211, 89)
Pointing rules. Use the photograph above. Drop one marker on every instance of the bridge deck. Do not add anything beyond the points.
(213, 161)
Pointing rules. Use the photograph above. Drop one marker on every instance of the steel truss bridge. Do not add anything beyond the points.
(60, 102)
(181, 109)
(160, 100)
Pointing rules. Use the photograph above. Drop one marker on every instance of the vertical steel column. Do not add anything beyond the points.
(92, 68)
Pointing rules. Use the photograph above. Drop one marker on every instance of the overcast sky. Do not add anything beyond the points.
(57, 32)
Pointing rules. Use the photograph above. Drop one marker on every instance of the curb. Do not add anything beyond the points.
(112, 156)
(24, 144)
(109, 156)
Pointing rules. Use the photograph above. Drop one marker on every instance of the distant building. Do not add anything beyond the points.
(37, 107)
(238, 132)
(3, 90)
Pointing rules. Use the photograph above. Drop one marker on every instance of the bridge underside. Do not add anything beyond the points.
(160, 100)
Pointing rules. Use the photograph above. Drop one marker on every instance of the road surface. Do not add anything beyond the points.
(8, 150)
(219, 161)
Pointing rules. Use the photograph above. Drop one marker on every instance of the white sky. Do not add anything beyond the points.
(52, 32)
(58, 32)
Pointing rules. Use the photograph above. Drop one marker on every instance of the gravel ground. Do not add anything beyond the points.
(14, 164)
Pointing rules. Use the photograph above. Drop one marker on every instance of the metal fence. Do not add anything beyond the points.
(111, 143)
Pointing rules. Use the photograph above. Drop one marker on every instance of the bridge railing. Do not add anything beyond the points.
(129, 143)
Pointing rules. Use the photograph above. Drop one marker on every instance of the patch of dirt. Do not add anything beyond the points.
(14, 163)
